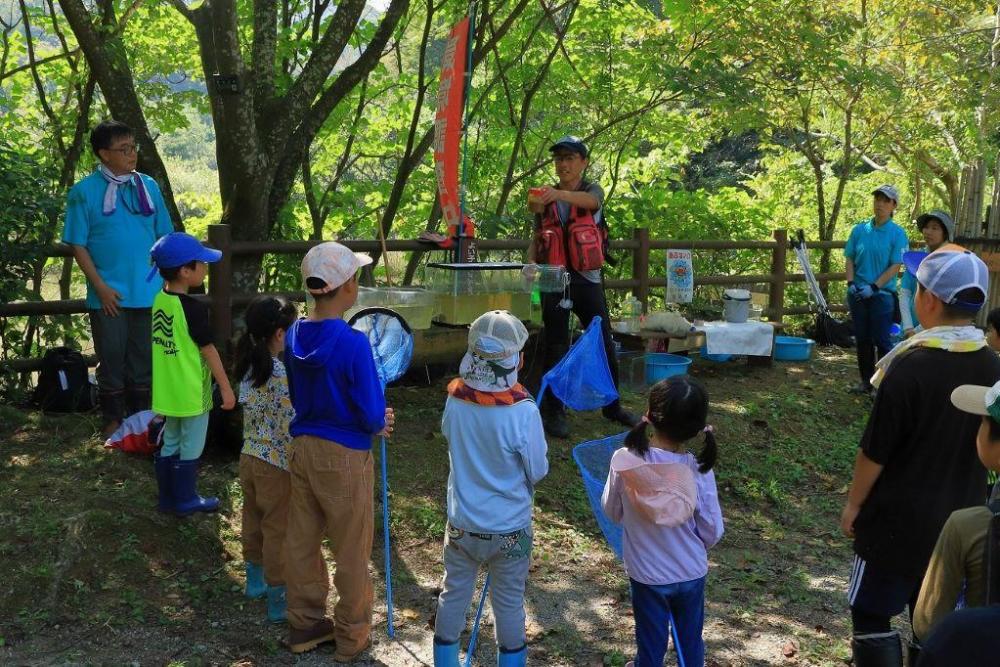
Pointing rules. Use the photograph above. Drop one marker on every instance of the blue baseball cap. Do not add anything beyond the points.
(570, 143)
(177, 249)
(889, 191)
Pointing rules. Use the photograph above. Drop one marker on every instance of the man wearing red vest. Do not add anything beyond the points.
(570, 231)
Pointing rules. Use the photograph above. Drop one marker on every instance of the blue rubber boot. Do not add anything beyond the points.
(445, 655)
(517, 658)
(186, 498)
(164, 484)
(256, 588)
(276, 604)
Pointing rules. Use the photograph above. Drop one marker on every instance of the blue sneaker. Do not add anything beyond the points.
(256, 588)
(276, 604)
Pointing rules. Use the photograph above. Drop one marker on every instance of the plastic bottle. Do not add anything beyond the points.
(633, 313)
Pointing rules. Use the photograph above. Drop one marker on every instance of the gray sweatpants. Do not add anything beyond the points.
(507, 558)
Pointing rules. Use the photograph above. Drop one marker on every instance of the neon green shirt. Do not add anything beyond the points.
(182, 383)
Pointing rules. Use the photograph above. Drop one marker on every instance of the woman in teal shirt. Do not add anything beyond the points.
(937, 228)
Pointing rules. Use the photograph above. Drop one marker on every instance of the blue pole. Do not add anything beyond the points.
(677, 644)
(385, 540)
(475, 624)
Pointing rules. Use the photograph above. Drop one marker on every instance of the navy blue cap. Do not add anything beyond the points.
(177, 249)
(570, 143)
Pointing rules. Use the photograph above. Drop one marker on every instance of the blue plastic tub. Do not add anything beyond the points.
(660, 365)
(718, 358)
(792, 348)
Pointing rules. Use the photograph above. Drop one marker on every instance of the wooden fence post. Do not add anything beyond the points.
(776, 298)
(640, 266)
(220, 286)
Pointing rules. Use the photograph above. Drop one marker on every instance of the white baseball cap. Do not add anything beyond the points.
(332, 263)
(496, 334)
(948, 271)
(978, 400)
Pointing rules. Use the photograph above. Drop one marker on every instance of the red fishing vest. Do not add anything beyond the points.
(579, 244)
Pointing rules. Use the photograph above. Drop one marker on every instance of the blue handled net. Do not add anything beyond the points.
(391, 341)
(593, 458)
(582, 379)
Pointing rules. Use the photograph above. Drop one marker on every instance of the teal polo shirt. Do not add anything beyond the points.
(873, 249)
(118, 243)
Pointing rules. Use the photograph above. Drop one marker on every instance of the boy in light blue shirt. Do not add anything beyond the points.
(874, 253)
(497, 451)
(113, 217)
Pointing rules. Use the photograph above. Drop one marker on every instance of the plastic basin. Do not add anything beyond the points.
(792, 348)
(718, 358)
(660, 365)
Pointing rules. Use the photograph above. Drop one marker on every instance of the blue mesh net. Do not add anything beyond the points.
(390, 339)
(582, 379)
(594, 460)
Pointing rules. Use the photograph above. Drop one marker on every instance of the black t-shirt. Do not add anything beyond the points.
(928, 448)
(196, 314)
(968, 637)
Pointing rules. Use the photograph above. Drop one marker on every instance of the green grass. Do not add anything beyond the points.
(84, 548)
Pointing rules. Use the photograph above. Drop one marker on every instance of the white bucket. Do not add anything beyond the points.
(736, 305)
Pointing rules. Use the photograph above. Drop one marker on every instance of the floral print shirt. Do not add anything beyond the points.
(267, 411)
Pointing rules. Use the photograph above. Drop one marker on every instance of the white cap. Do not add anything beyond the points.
(948, 271)
(496, 334)
(332, 263)
(977, 399)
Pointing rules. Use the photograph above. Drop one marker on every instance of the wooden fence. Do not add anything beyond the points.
(222, 299)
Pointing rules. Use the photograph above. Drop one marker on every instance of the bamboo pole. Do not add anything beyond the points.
(994, 227)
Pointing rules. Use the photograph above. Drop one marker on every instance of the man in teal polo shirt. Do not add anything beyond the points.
(874, 254)
(113, 217)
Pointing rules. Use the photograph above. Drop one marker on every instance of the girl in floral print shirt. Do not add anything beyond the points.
(267, 411)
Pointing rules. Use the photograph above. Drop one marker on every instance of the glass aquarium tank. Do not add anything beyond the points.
(465, 291)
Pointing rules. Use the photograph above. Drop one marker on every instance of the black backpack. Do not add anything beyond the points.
(64, 382)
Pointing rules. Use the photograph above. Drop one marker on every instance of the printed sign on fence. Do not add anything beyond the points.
(680, 276)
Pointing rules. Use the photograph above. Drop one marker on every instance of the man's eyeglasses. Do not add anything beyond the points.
(126, 150)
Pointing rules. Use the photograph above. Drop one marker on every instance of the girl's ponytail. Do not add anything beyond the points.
(636, 440)
(264, 317)
(709, 453)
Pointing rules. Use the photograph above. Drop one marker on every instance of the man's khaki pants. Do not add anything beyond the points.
(266, 489)
(331, 496)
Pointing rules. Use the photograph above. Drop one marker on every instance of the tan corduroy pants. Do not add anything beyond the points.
(331, 496)
(266, 492)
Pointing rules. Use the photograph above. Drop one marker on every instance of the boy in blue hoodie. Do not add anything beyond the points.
(339, 406)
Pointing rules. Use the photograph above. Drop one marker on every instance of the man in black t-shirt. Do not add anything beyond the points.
(917, 459)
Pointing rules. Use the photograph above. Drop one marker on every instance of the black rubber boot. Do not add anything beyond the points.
(112, 410)
(137, 399)
(866, 365)
(554, 417)
(616, 413)
(882, 649)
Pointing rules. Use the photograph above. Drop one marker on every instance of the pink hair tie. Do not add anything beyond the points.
(708, 429)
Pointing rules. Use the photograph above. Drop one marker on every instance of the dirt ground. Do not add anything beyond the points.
(92, 575)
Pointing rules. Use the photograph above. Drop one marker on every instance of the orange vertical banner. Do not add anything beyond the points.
(448, 122)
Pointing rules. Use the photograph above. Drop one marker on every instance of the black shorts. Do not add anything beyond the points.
(880, 591)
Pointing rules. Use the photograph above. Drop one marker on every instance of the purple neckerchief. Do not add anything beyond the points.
(111, 193)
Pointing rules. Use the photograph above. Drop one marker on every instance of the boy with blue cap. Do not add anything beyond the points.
(917, 461)
(184, 362)
(874, 253)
